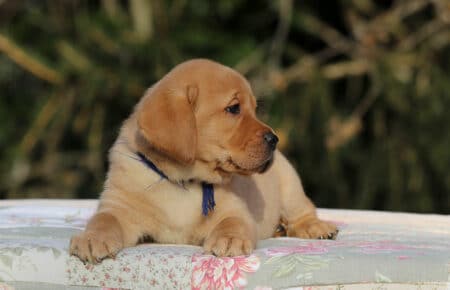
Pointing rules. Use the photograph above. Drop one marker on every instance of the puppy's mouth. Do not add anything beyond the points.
(231, 166)
(266, 165)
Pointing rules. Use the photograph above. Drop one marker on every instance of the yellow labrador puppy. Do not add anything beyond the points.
(194, 165)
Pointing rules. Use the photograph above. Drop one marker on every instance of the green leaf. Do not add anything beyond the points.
(274, 259)
(6, 260)
(381, 278)
(17, 251)
(56, 253)
(285, 269)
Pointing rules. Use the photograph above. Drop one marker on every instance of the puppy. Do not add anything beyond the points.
(194, 165)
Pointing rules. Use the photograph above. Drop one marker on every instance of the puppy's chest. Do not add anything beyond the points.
(181, 206)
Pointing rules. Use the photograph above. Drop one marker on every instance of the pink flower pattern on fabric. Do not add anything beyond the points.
(382, 247)
(309, 249)
(210, 272)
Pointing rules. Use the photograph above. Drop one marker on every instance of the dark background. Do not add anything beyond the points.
(357, 90)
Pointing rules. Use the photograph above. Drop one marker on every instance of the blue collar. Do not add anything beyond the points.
(208, 202)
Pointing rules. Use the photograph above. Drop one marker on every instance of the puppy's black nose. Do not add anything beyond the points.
(271, 140)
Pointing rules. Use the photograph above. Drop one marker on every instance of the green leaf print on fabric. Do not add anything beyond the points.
(17, 251)
(379, 278)
(287, 264)
(56, 253)
(6, 260)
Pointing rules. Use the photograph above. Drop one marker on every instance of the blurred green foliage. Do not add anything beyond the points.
(358, 90)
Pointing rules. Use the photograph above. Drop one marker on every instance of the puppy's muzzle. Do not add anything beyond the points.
(271, 140)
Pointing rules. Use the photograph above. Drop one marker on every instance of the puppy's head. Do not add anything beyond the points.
(202, 111)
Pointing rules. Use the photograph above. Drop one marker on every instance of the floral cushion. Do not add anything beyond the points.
(372, 250)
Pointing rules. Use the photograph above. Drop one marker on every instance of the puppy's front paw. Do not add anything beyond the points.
(228, 246)
(231, 237)
(93, 246)
(310, 227)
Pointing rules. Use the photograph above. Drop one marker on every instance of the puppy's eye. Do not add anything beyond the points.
(234, 109)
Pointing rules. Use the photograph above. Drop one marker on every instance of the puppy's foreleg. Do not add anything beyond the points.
(298, 212)
(309, 226)
(232, 236)
(102, 238)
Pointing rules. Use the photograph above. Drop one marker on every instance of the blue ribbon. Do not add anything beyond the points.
(208, 202)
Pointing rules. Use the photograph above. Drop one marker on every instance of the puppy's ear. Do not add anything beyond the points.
(166, 120)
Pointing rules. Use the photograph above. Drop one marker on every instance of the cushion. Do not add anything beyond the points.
(373, 250)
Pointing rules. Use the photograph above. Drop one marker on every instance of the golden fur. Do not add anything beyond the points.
(184, 125)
